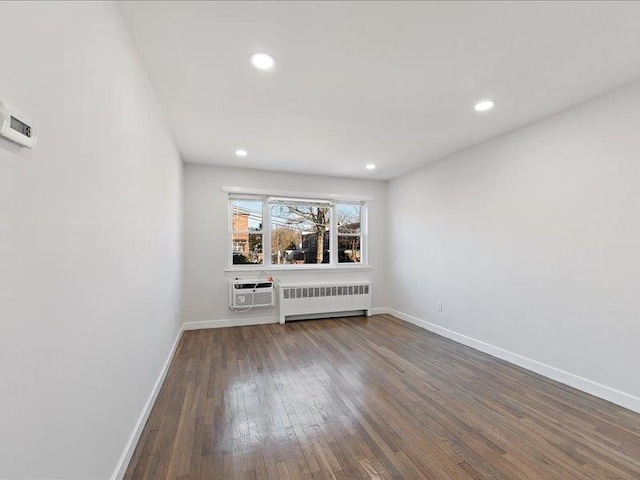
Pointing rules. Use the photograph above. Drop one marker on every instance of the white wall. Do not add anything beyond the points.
(206, 284)
(90, 242)
(532, 241)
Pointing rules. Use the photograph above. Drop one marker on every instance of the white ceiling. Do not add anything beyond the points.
(391, 83)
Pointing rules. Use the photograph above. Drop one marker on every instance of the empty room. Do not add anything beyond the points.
(348, 240)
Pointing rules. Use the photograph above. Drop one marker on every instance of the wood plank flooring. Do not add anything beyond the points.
(376, 398)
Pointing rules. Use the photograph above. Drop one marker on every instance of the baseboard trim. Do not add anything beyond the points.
(379, 311)
(125, 458)
(229, 322)
(242, 322)
(610, 394)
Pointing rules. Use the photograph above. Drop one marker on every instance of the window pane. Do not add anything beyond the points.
(247, 215)
(300, 233)
(349, 249)
(348, 218)
(247, 248)
(284, 241)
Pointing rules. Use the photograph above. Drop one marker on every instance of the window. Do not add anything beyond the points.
(298, 231)
(247, 234)
(349, 233)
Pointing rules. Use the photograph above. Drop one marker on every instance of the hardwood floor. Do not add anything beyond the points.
(375, 398)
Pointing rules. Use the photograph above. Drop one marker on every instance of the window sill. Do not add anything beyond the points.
(285, 268)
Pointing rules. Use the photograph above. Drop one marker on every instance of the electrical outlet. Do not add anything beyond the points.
(439, 306)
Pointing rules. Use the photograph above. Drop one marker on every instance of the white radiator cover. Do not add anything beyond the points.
(323, 297)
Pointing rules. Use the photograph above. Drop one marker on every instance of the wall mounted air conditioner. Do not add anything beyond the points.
(246, 294)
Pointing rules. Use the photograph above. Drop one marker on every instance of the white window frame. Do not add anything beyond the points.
(231, 231)
(266, 233)
(363, 225)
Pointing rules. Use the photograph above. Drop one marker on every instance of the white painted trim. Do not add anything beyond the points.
(125, 458)
(379, 311)
(241, 322)
(610, 394)
(292, 194)
(229, 322)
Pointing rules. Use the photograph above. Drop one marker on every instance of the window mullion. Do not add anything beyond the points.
(230, 233)
(266, 235)
(333, 245)
(364, 233)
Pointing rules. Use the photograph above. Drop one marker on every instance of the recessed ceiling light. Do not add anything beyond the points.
(242, 153)
(484, 105)
(262, 61)
(371, 166)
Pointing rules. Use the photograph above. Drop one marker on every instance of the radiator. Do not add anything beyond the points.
(323, 298)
